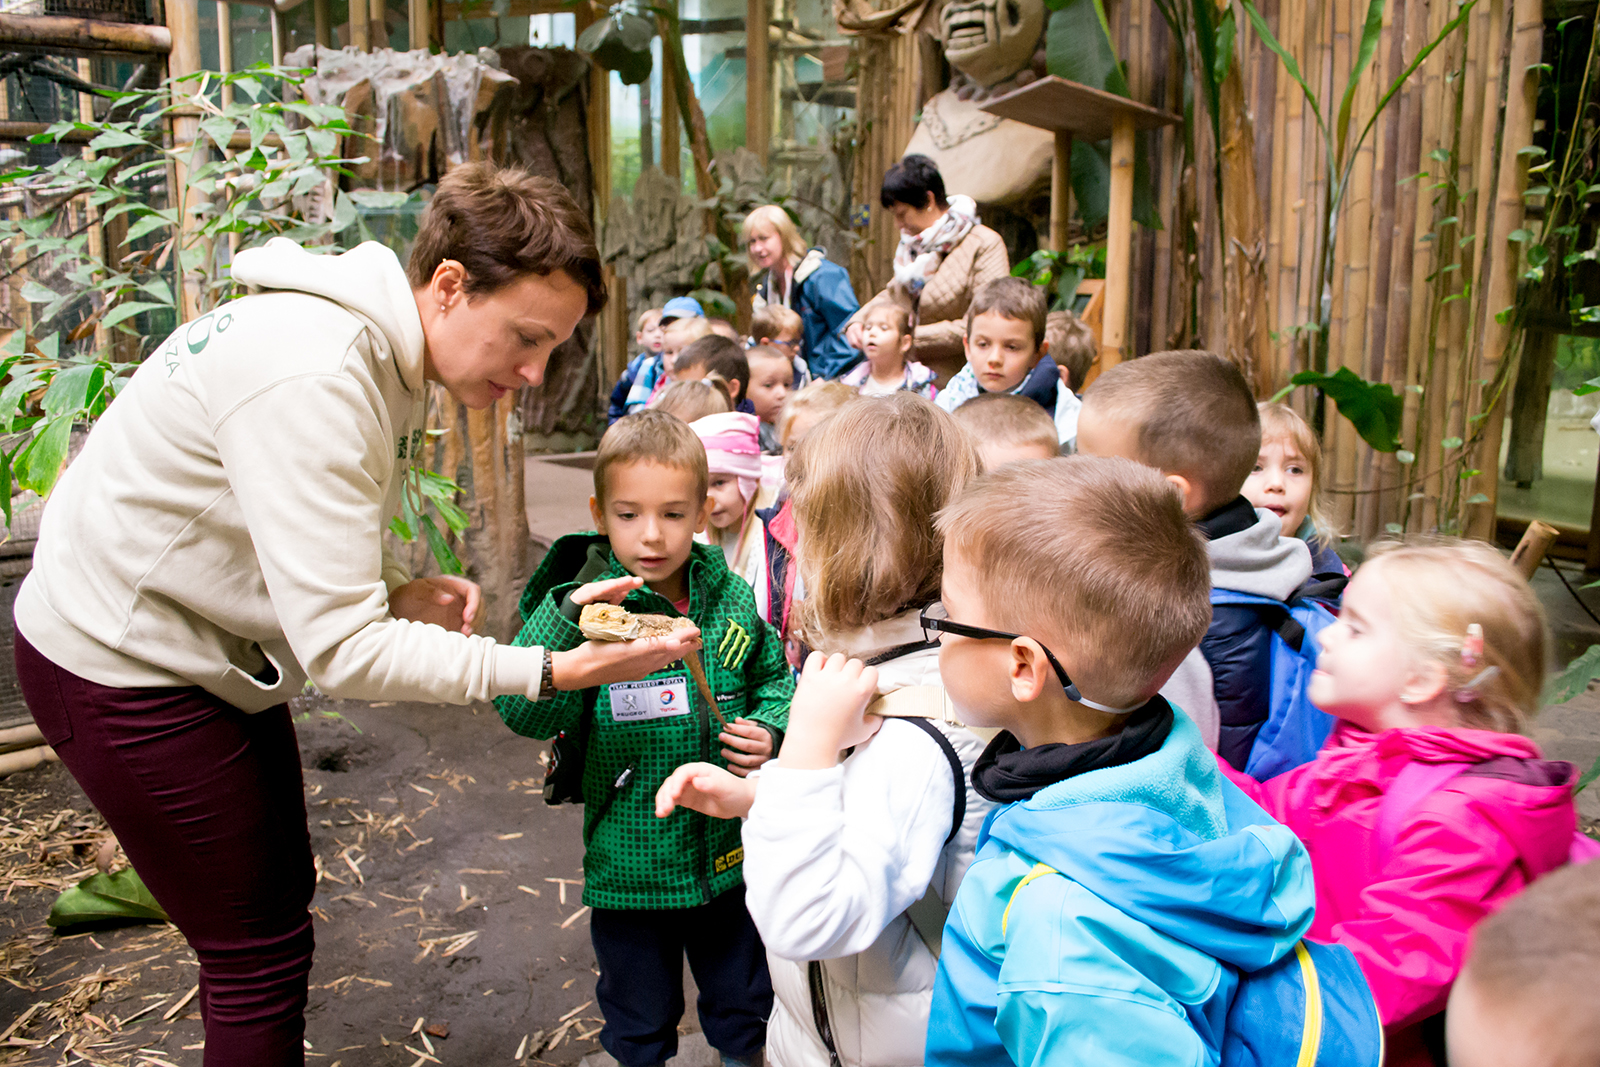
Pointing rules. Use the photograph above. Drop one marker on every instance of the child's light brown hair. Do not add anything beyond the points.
(1528, 964)
(774, 321)
(1073, 346)
(1008, 421)
(1445, 585)
(648, 318)
(897, 316)
(1093, 557)
(695, 399)
(1194, 416)
(1280, 422)
(869, 548)
(819, 399)
(651, 436)
(1011, 298)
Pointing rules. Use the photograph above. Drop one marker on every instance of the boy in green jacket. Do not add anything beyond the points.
(660, 889)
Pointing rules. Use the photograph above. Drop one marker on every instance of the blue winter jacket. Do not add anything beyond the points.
(824, 300)
(1171, 881)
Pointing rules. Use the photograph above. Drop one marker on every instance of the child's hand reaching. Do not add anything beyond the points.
(749, 746)
(826, 716)
(708, 789)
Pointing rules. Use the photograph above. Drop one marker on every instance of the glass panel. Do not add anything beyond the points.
(1564, 492)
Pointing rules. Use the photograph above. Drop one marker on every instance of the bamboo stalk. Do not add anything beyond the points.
(1119, 239)
(1521, 99)
(225, 47)
(671, 154)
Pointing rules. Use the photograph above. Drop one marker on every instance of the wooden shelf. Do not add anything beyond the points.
(1068, 107)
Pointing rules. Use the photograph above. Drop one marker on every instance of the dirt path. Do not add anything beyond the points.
(440, 900)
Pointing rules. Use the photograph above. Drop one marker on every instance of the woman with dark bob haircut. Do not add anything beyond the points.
(220, 539)
(945, 256)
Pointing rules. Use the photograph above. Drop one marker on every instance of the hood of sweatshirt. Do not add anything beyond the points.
(1173, 845)
(914, 662)
(368, 280)
(1253, 556)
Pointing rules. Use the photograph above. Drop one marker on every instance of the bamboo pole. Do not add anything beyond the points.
(225, 48)
(1521, 100)
(322, 23)
(91, 35)
(758, 81)
(359, 26)
(1119, 243)
(183, 22)
(96, 233)
(419, 20)
(1061, 191)
(378, 24)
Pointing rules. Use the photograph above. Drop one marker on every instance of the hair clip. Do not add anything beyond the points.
(1472, 647)
(1469, 692)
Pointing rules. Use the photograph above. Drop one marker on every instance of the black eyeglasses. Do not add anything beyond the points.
(935, 618)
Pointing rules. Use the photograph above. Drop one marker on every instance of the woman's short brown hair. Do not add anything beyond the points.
(502, 224)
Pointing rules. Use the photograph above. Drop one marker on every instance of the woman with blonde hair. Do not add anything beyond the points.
(850, 868)
(805, 280)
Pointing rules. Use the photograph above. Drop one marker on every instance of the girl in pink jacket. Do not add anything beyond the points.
(1426, 809)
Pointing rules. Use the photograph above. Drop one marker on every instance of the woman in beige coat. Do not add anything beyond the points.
(945, 256)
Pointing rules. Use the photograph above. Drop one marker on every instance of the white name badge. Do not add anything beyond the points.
(656, 698)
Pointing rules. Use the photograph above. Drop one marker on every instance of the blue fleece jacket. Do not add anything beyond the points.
(1170, 882)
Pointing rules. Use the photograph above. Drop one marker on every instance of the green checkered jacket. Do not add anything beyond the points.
(632, 859)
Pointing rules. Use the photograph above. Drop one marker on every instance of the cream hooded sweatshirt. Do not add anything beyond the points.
(223, 524)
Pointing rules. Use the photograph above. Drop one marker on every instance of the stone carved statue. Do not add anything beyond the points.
(994, 46)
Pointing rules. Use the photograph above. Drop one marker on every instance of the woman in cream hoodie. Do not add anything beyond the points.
(219, 540)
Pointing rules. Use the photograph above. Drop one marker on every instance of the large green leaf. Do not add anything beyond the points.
(99, 898)
(39, 465)
(1372, 407)
(1371, 31)
(1575, 679)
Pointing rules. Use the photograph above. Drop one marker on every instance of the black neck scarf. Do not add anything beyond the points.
(1008, 772)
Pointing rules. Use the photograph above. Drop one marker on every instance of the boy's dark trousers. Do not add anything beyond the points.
(640, 990)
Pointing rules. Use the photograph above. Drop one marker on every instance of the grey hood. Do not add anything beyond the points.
(1260, 560)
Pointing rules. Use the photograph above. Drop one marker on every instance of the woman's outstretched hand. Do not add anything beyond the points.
(708, 789)
(445, 600)
(603, 662)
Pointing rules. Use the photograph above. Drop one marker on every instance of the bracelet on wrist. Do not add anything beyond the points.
(547, 679)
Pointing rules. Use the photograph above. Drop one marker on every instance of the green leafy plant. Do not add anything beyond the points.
(1060, 273)
(1341, 142)
(1373, 408)
(265, 165)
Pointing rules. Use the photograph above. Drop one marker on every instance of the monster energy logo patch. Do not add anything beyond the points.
(735, 646)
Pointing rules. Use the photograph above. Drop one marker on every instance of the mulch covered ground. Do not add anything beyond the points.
(450, 928)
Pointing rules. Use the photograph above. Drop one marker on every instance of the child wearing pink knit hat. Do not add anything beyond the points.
(733, 455)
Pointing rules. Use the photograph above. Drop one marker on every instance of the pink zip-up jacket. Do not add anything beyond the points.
(1457, 855)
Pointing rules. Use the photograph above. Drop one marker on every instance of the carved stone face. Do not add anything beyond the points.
(990, 40)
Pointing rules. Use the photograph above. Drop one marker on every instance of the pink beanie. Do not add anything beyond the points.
(733, 446)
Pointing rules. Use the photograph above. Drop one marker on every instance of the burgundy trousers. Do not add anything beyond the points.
(208, 803)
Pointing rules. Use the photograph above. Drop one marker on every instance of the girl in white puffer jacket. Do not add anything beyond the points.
(850, 864)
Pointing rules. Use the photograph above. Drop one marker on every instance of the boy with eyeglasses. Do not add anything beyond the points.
(1124, 884)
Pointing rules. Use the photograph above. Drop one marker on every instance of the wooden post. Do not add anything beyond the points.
(97, 236)
(1530, 551)
(671, 156)
(275, 24)
(1061, 192)
(183, 22)
(419, 20)
(758, 81)
(358, 26)
(1119, 243)
(225, 47)
(91, 35)
(377, 30)
(324, 28)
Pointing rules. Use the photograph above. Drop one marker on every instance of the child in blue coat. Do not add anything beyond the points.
(1124, 884)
